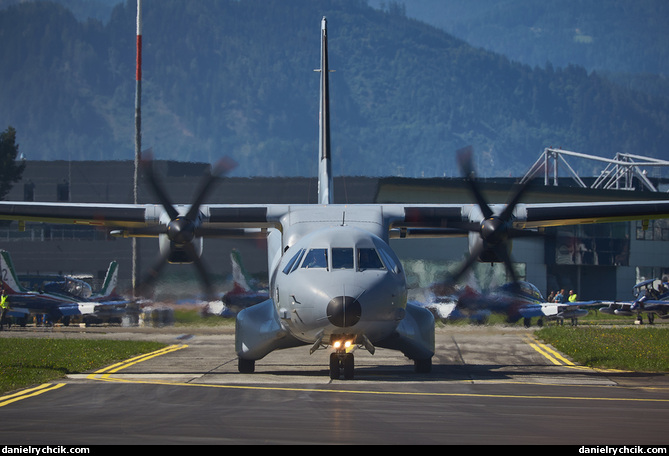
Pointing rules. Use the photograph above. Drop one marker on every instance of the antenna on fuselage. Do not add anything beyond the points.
(325, 194)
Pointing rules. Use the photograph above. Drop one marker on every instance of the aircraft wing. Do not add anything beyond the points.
(406, 220)
(457, 220)
(138, 219)
(89, 308)
(114, 215)
(37, 305)
(545, 215)
(550, 309)
(633, 307)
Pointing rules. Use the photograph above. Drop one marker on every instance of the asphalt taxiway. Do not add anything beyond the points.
(488, 385)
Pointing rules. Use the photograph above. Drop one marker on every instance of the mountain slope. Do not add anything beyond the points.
(227, 77)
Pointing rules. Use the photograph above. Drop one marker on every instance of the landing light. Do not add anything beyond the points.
(346, 344)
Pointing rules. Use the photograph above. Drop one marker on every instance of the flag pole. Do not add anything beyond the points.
(138, 139)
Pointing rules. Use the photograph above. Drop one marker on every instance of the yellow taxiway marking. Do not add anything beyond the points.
(548, 353)
(106, 372)
(30, 392)
(557, 359)
(105, 375)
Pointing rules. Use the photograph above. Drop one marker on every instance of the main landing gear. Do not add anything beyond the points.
(246, 366)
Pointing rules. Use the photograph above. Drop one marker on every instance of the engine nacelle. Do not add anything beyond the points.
(487, 255)
(176, 254)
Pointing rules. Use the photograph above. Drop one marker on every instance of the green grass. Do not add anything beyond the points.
(193, 317)
(634, 348)
(26, 361)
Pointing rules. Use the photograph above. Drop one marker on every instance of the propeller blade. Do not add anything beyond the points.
(467, 168)
(145, 286)
(517, 195)
(511, 204)
(158, 190)
(202, 271)
(221, 168)
(503, 253)
(473, 258)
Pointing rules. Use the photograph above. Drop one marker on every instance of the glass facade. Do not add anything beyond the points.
(606, 244)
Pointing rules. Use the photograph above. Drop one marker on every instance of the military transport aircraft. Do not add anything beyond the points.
(335, 283)
(62, 298)
(652, 298)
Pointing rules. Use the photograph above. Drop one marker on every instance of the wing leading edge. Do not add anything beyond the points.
(433, 220)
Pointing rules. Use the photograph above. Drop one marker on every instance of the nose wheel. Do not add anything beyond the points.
(341, 362)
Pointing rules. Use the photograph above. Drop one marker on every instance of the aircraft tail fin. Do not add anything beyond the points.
(239, 275)
(111, 281)
(325, 195)
(9, 281)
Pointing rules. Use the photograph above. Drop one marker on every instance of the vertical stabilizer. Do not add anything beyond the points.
(9, 282)
(240, 277)
(324, 165)
(111, 280)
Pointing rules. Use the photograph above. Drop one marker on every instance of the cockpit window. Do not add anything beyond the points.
(342, 258)
(390, 263)
(292, 264)
(316, 258)
(369, 259)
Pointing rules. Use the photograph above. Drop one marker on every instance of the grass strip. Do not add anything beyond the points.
(25, 361)
(633, 348)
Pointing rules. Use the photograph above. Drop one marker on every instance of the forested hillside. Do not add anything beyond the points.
(227, 77)
(627, 40)
(628, 36)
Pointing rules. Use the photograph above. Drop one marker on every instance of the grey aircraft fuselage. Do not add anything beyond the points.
(334, 278)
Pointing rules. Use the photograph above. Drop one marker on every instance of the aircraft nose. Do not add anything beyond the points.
(344, 311)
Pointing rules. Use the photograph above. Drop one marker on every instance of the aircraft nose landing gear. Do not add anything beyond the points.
(341, 359)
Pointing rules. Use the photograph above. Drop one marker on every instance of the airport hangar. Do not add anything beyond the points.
(598, 261)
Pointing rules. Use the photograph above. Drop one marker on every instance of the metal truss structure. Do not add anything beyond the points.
(620, 172)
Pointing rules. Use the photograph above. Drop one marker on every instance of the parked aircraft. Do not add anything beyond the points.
(652, 298)
(524, 300)
(244, 293)
(62, 298)
(516, 300)
(335, 282)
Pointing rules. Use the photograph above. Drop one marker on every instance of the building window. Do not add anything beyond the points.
(652, 230)
(598, 244)
(651, 272)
